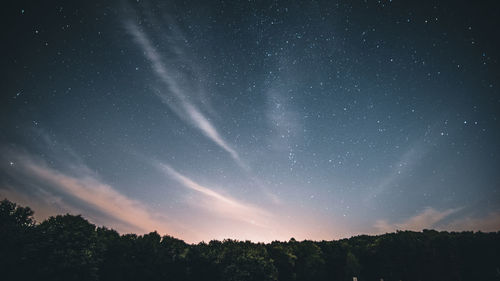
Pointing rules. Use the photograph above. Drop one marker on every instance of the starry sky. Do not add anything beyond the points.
(259, 120)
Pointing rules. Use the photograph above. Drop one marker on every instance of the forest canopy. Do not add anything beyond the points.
(68, 247)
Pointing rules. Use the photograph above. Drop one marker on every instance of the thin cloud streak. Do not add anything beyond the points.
(426, 219)
(223, 205)
(116, 210)
(406, 162)
(188, 110)
(210, 130)
(488, 223)
(100, 196)
(431, 218)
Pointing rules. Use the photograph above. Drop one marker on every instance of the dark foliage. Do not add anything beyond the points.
(70, 248)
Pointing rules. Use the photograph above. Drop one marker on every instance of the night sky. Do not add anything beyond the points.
(259, 120)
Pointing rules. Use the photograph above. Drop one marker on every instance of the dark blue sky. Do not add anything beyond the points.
(255, 120)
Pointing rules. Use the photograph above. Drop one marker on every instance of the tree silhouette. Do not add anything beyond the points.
(68, 247)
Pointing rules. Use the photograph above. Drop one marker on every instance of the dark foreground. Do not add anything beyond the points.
(70, 248)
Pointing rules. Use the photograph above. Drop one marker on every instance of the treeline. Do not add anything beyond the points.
(70, 248)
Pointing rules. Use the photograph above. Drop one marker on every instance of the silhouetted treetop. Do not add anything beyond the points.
(68, 247)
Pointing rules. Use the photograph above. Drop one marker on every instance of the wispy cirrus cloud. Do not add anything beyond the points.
(75, 191)
(426, 219)
(488, 223)
(408, 160)
(177, 97)
(222, 205)
(449, 220)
